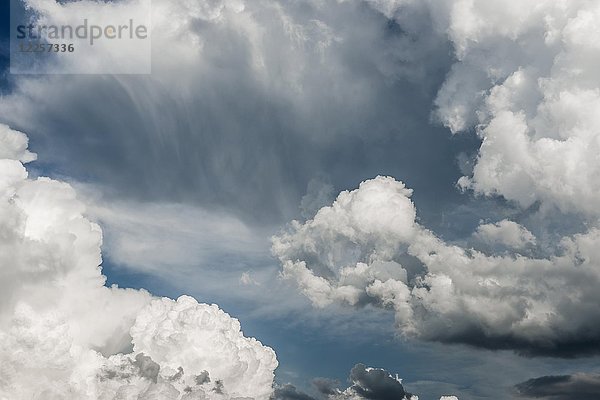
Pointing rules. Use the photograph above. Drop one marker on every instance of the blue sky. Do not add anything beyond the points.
(190, 171)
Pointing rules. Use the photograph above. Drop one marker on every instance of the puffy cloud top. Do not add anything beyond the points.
(458, 294)
(199, 337)
(507, 233)
(535, 103)
(66, 336)
(13, 145)
(361, 227)
(525, 80)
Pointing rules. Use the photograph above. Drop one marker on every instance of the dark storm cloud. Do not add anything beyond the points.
(582, 344)
(365, 383)
(376, 384)
(564, 387)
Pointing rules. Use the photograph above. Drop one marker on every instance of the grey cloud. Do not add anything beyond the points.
(147, 367)
(339, 89)
(581, 386)
(289, 392)
(365, 383)
(326, 386)
(354, 251)
(318, 194)
(202, 378)
(376, 384)
(510, 84)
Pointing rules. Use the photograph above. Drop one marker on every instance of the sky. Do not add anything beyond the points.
(395, 198)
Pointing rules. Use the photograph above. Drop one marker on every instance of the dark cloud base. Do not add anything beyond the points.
(574, 347)
(366, 383)
(561, 387)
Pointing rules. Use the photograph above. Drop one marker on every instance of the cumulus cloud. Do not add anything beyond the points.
(581, 386)
(243, 365)
(525, 78)
(368, 247)
(365, 383)
(67, 336)
(13, 145)
(506, 233)
(373, 383)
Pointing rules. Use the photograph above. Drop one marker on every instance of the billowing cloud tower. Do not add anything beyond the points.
(67, 336)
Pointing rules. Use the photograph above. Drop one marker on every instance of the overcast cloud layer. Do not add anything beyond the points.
(247, 103)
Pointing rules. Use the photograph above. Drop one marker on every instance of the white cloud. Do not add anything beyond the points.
(40, 360)
(67, 336)
(505, 232)
(175, 334)
(152, 237)
(361, 227)
(525, 78)
(247, 279)
(355, 251)
(91, 50)
(13, 145)
(536, 102)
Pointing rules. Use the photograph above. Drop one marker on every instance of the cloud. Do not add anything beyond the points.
(525, 79)
(13, 145)
(366, 383)
(174, 334)
(318, 194)
(374, 384)
(67, 336)
(248, 102)
(124, 53)
(505, 233)
(156, 237)
(42, 361)
(369, 248)
(290, 392)
(580, 386)
(349, 87)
